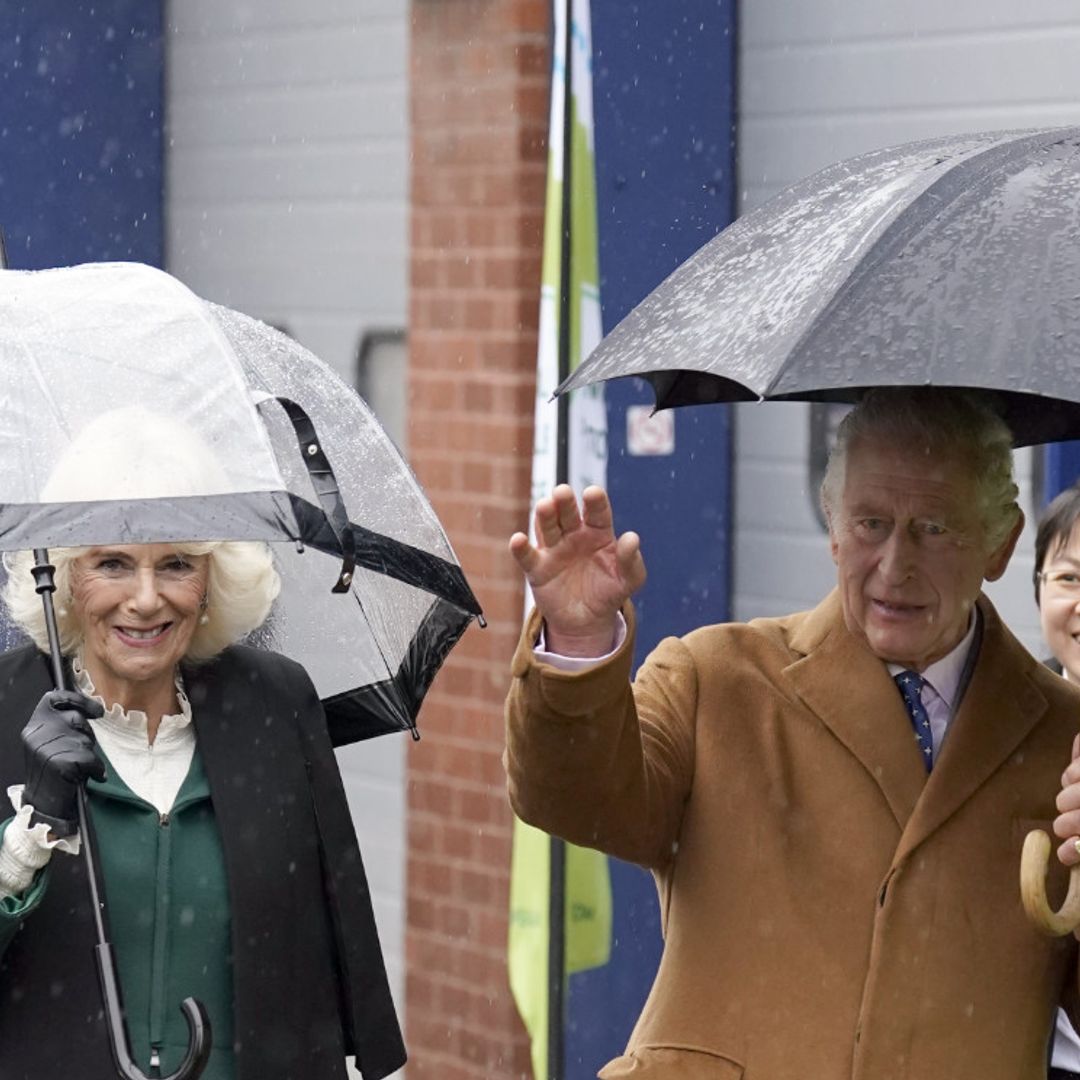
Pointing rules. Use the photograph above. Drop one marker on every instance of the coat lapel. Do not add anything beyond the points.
(850, 690)
(1001, 706)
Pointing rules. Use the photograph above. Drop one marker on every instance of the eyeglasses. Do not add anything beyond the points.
(1059, 582)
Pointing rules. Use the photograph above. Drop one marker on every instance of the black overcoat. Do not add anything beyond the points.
(308, 976)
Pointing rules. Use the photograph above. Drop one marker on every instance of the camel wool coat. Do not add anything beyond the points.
(830, 911)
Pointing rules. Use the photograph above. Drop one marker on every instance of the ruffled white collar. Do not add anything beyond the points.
(130, 726)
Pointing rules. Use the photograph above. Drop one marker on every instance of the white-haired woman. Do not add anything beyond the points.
(230, 866)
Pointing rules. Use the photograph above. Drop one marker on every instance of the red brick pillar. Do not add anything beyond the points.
(479, 89)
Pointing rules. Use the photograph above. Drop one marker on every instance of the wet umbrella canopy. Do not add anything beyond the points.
(952, 262)
(372, 656)
(282, 451)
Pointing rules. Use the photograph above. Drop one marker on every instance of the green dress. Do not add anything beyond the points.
(168, 913)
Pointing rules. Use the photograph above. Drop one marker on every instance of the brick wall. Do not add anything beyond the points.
(479, 84)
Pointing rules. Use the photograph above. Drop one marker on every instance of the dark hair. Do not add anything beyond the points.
(1055, 527)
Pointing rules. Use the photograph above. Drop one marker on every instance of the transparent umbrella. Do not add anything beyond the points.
(131, 411)
(276, 447)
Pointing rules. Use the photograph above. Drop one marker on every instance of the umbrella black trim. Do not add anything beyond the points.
(245, 515)
(273, 516)
(393, 704)
(1033, 419)
(384, 555)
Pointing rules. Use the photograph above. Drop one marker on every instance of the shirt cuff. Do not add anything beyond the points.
(571, 664)
(27, 848)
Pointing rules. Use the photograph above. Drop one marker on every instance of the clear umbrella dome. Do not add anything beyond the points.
(112, 371)
(132, 411)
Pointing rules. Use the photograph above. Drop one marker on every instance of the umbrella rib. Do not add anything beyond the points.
(351, 718)
(944, 190)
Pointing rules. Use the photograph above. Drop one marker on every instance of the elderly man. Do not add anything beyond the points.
(832, 803)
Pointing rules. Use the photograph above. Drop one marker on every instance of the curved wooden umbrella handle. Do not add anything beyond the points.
(1034, 860)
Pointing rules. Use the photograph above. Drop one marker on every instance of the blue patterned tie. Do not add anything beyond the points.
(911, 684)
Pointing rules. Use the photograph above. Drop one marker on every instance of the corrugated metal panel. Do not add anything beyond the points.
(287, 163)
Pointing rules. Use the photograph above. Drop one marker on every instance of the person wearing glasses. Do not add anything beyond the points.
(1057, 581)
(1057, 592)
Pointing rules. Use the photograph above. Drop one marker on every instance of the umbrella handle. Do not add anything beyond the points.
(1034, 861)
(198, 1022)
(198, 1052)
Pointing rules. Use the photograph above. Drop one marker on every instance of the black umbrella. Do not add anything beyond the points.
(250, 437)
(951, 262)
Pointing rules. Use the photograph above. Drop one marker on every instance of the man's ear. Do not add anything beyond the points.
(998, 560)
(833, 542)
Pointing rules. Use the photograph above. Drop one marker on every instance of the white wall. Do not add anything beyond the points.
(287, 162)
(822, 80)
(287, 197)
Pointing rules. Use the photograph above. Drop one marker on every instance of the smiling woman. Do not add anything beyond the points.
(240, 577)
(132, 613)
(228, 858)
(139, 608)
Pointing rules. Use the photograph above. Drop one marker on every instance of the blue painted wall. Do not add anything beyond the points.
(664, 101)
(1061, 468)
(80, 131)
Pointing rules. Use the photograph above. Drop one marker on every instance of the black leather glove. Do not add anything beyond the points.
(58, 749)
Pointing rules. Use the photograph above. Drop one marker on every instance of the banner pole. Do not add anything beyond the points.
(557, 900)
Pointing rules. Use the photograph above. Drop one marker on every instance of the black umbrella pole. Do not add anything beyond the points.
(557, 898)
(199, 1034)
(556, 1042)
(45, 586)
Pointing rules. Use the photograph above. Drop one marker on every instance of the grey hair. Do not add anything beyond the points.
(242, 586)
(960, 425)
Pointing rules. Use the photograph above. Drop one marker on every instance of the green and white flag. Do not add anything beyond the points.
(587, 436)
(588, 883)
